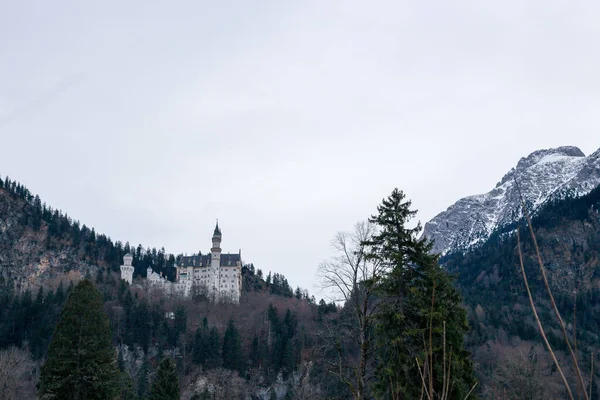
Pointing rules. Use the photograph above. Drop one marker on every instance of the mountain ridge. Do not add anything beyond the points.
(542, 175)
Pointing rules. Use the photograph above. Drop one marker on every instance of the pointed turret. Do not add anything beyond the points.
(215, 262)
(216, 239)
(217, 230)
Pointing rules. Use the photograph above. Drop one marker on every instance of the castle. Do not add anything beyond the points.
(215, 275)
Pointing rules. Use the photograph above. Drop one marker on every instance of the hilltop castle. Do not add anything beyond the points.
(216, 275)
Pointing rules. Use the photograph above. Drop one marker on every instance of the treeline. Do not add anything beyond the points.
(94, 248)
(275, 348)
(28, 320)
(277, 284)
(271, 342)
(100, 250)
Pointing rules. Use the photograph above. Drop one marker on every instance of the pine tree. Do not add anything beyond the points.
(126, 385)
(201, 343)
(142, 383)
(166, 384)
(232, 348)
(213, 349)
(39, 298)
(254, 352)
(82, 361)
(287, 357)
(60, 293)
(180, 320)
(420, 303)
(142, 324)
(199, 349)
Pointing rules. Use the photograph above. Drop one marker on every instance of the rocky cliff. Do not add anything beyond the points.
(29, 254)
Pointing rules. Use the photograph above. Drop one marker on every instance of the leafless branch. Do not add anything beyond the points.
(539, 322)
(549, 291)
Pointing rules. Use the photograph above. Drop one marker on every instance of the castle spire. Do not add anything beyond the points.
(217, 230)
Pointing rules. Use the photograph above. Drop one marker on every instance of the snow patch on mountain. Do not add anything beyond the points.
(542, 175)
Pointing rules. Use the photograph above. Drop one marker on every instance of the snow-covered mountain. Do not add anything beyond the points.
(541, 175)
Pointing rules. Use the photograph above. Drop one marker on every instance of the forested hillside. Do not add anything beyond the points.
(43, 253)
(38, 242)
(504, 336)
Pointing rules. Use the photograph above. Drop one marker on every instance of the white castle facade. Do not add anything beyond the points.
(217, 276)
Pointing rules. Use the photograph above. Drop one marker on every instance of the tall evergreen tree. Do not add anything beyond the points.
(232, 348)
(213, 349)
(142, 383)
(82, 361)
(254, 352)
(166, 384)
(60, 293)
(142, 324)
(199, 348)
(180, 320)
(421, 311)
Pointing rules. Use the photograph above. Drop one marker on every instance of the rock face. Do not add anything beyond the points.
(542, 175)
(30, 257)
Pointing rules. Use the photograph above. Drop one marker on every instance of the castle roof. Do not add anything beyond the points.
(217, 231)
(204, 260)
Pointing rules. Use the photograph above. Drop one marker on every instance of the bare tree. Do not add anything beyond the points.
(352, 277)
(199, 292)
(16, 379)
(522, 373)
(303, 388)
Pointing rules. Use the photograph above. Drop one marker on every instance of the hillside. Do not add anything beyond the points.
(43, 253)
(39, 243)
(504, 336)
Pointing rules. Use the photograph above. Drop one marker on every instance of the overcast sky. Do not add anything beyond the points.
(287, 120)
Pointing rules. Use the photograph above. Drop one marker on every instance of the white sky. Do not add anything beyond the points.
(288, 121)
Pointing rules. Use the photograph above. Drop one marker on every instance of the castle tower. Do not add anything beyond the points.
(216, 274)
(127, 268)
(216, 247)
(215, 263)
